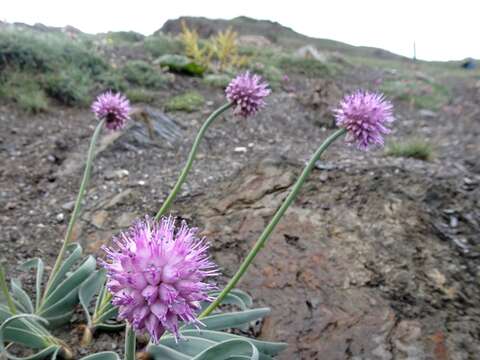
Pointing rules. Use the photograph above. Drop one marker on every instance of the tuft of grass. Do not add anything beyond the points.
(141, 73)
(139, 95)
(189, 102)
(414, 148)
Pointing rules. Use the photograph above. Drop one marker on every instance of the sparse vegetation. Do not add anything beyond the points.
(307, 67)
(189, 102)
(113, 80)
(414, 148)
(141, 73)
(217, 80)
(139, 95)
(70, 86)
(421, 93)
(25, 92)
(158, 45)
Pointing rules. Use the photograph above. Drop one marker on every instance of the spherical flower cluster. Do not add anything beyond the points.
(365, 116)
(156, 275)
(247, 92)
(113, 108)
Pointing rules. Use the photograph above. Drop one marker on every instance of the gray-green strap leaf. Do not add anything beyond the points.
(36, 263)
(230, 299)
(232, 319)
(22, 297)
(49, 348)
(161, 352)
(266, 347)
(105, 355)
(189, 345)
(75, 255)
(226, 349)
(70, 283)
(89, 289)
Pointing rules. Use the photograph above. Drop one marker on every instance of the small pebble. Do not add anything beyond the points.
(240, 149)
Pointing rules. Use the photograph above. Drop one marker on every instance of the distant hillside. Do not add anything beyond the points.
(273, 31)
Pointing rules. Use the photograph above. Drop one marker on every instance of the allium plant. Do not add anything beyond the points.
(365, 115)
(247, 92)
(114, 109)
(156, 273)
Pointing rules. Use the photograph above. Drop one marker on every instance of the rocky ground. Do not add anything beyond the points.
(377, 259)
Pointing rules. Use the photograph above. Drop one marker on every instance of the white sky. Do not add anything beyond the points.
(442, 29)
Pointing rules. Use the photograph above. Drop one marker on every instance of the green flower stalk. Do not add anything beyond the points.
(112, 110)
(78, 204)
(272, 224)
(363, 117)
(130, 343)
(191, 157)
(246, 95)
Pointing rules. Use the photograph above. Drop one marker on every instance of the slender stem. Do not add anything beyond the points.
(78, 204)
(183, 175)
(271, 226)
(4, 286)
(130, 342)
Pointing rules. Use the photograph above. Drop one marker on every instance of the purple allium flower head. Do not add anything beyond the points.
(247, 92)
(114, 108)
(156, 275)
(365, 115)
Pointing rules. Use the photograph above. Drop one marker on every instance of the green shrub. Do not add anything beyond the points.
(415, 148)
(158, 45)
(181, 64)
(27, 50)
(189, 102)
(141, 73)
(69, 86)
(112, 80)
(32, 102)
(21, 51)
(140, 96)
(25, 91)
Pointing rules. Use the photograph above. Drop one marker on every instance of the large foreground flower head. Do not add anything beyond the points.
(156, 274)
(113, 108)
(365, 115)
(247, 92)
